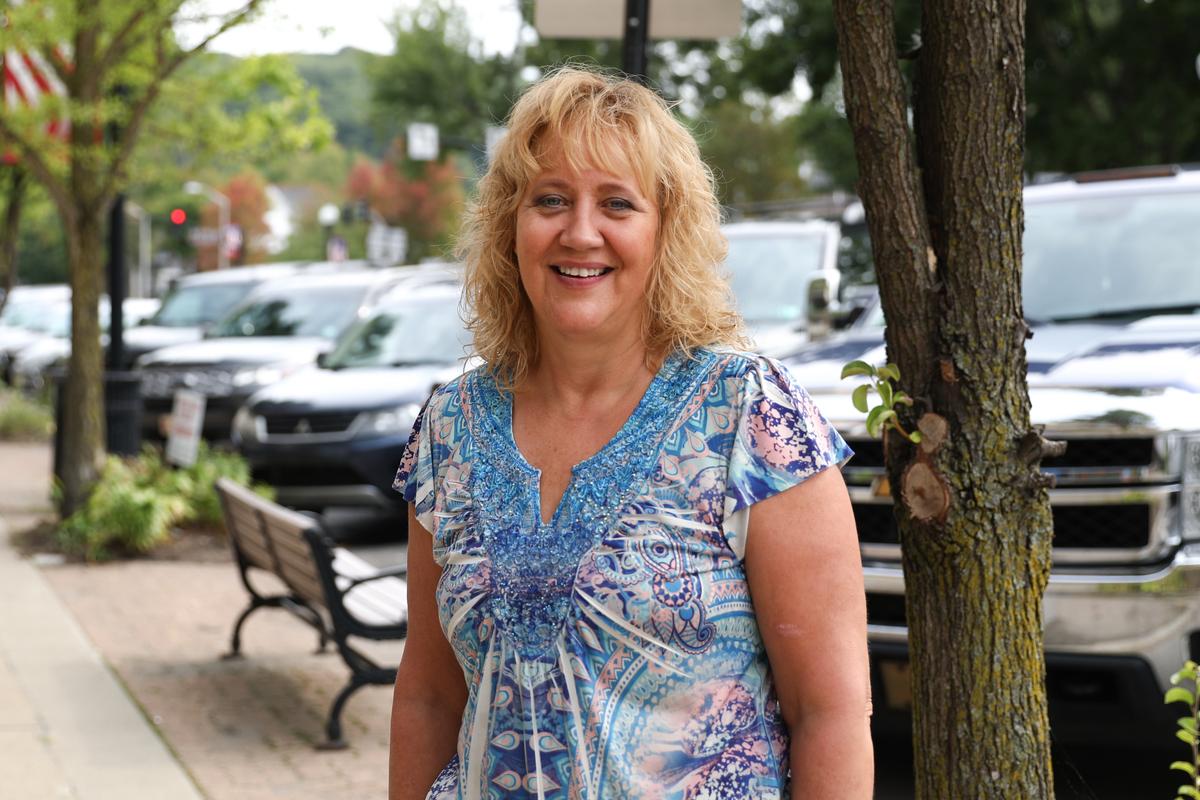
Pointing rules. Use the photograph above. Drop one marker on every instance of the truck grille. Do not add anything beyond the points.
(1092, 453)
(164, 382)
(307, 475)
(301, 424)
(1094, 527)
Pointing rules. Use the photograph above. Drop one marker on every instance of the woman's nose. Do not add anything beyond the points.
(582, 230)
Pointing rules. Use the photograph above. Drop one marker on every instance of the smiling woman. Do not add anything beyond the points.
(633, 566)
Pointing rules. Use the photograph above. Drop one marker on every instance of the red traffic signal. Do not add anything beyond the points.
(178, 216)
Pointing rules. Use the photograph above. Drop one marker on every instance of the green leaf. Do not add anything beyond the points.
(915, 437)
(857, 368)
(885, 392)
(901, 397)
(1190, 791)
(1186, 736)
(873, 421)
(887, 416)
(1184, 766)
(1178, 694)
(1187, 723)
(889, 371)
(860, 397)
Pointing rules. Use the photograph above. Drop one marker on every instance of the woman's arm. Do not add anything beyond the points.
(430, 694)
(805, 575)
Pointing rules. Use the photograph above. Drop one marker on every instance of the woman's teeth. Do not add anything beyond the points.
(580, 272)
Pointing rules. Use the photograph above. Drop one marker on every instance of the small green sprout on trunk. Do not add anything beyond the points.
(881, 416)
(1187, 727)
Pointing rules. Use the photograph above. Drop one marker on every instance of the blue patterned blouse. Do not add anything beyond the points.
(613, 653)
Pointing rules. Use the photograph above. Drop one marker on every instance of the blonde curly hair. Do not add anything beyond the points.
(611, 123)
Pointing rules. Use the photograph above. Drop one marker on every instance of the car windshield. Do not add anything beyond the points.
(321, 311)
(1126, 255)
(404, 335)
(27, 313)
(768, 274)
(199, 304)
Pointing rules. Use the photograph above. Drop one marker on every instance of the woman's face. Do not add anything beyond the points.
(585, 246)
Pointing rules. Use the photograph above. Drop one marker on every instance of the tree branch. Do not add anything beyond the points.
(35, 163)
(128, 36)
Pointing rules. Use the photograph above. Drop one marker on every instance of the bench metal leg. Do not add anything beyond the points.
(235, 645)
(333, 726)
(315, 620)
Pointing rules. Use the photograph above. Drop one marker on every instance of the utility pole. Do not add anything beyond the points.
(637, 32)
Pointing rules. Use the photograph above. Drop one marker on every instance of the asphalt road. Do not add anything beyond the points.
(1080, 773)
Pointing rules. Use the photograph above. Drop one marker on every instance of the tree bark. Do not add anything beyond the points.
(977, 565)
(10, 226)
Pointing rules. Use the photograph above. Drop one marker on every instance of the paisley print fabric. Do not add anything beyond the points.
(613, 652)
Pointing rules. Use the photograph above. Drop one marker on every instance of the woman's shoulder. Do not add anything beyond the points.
(741, 365)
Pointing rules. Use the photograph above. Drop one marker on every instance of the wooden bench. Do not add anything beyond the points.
(337, 593)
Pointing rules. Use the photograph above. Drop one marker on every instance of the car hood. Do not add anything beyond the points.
(144, 338)
(777, 339)
(238, 351)
(360, 389)
(13, 339)
(1142, 375)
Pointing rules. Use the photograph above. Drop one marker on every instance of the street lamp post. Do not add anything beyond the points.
(196, 187)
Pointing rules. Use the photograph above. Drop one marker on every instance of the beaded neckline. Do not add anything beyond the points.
(535, 564)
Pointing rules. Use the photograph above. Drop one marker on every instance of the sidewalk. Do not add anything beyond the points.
(111, 683)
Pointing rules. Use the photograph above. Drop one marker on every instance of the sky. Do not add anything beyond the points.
(302, 26)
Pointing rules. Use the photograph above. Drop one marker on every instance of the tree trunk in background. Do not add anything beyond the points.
(83, 443)
(973, 509)
(10, 225)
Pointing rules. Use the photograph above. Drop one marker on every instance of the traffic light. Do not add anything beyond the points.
(178, 216)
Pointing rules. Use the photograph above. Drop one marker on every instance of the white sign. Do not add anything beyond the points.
(184, 426)
(492, 136)
(422, 141)
(386, 245)
(669, 19)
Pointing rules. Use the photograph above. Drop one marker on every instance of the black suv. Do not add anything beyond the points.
(334, 435)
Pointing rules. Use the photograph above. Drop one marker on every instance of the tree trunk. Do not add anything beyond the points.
(83, 402)
(973, 511)
(10, 225)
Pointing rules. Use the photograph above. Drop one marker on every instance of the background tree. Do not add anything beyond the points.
(973, 510)
(113, 43)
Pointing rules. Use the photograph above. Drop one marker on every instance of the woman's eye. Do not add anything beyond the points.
(550, 201)
(620, 204)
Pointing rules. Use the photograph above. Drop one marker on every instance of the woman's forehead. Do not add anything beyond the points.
(606, 155)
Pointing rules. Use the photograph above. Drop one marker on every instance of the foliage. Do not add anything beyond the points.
(425, 198)
(881, 416)
(1188, 732)
(438, 74)
(22, 420)
(138, 501)
(344, 92)
(248, 206)
(734, 137)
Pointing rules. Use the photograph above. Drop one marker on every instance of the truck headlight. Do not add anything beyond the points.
(389, 421)
(1189, 497)
(247, 426)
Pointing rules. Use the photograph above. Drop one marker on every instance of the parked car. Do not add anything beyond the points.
(1112, 290)
(280, 328)
(785, 279)
(334, 435)
(196, 302)
(52, 349)
(27, 311)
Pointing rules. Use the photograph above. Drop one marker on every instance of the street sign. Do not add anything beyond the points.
(422, 141)
(669, 19)
(386, 245)
(184, 426)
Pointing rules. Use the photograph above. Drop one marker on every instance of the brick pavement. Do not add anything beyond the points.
(243, 729)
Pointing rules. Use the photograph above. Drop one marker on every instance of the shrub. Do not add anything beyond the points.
(1184, 686)
(138, 501)
(22, 420)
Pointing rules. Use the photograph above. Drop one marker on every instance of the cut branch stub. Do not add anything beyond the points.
(934, 430)
(924, 492)
(1034, 447)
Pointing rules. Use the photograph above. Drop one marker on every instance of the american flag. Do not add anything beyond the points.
(28, 78)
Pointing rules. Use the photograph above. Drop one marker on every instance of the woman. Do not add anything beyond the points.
(633, 573)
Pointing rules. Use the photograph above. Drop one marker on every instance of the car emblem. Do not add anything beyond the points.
(302, 427)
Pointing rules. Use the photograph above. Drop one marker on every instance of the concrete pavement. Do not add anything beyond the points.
(112, 686)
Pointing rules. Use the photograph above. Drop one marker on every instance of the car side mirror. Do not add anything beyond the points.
(323, 360)
(818, 306)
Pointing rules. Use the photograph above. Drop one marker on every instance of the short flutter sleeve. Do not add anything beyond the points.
(415, 477)
(781, 440)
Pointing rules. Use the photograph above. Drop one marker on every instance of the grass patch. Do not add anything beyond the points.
(23, 420)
